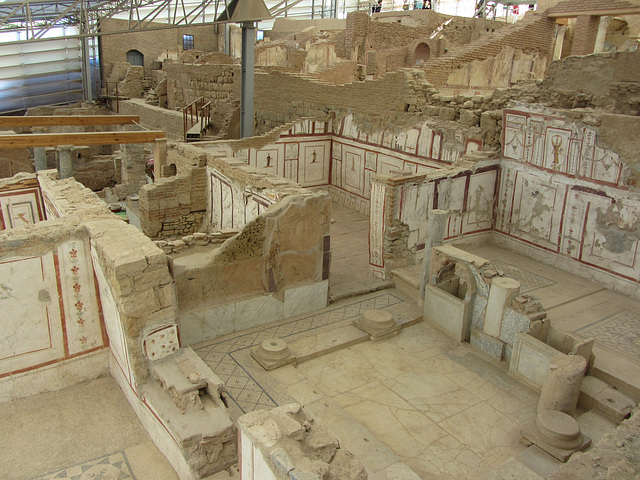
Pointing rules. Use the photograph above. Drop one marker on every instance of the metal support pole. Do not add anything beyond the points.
(87, 84)
(227, 39)
(247, 63)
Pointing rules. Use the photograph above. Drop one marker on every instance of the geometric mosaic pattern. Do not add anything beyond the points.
(111, 467)
(620, 332)
(241, 387)
(528, 281)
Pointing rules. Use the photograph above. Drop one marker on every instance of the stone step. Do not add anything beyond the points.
(616, 370)
(600, 396)
(408, 280)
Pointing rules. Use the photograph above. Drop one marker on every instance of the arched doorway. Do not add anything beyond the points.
(134, 57)
(422, 53)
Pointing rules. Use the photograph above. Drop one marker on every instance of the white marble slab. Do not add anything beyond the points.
(305, 299)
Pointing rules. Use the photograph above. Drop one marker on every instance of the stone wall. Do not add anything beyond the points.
(534, 33)
(607, 80)
(14, 160)
(174, 206)
(153, 117)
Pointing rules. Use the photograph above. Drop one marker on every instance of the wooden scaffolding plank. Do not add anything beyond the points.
(64, 120)
(84, 138)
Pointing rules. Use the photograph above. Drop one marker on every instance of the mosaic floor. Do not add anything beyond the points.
(110, 467)
(620, 332)
(529, 281)
(242, 388)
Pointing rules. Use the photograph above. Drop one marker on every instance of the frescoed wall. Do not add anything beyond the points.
(339, 155)
(231, 206)
(49, 308)
(20, 202)
(563, 192)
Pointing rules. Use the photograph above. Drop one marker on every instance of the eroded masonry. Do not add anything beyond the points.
(424, 265)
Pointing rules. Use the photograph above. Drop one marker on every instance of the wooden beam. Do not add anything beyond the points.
(64, 120)
(84, 138)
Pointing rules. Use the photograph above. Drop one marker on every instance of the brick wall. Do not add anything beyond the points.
(187, 82)
(307, 97)
(584, 37)
(594, 6)
(152, 44)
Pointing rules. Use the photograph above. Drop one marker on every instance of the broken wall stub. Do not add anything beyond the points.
(261, 271)
(174, 206)
(287, 443)
(272, 269)
(570, 194)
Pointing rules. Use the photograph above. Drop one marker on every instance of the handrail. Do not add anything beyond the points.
(105, 84)
(197, 112)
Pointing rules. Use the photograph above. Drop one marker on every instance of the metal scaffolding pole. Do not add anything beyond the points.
(247, 63)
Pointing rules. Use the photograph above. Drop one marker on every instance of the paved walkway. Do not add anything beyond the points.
(350, 273)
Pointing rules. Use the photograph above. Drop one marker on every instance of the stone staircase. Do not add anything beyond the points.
(534, 32)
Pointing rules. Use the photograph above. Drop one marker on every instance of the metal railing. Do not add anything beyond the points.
(197, 112)
(102, 88)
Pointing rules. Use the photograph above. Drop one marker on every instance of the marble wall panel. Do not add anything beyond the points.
(305, 299)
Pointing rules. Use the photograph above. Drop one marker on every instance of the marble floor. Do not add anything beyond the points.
(417, 402)
(349, 274)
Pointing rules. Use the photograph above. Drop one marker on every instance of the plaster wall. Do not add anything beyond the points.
(53, 331)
